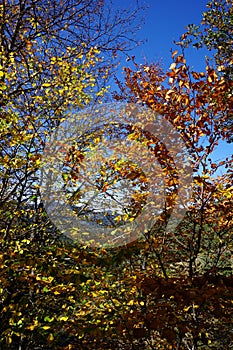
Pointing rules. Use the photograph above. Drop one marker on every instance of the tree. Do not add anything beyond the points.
(50, 65)
(215, 34)
(196, 104)
(50, 62)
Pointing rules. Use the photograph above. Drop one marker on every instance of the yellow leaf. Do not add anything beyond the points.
(56, 292)
(97, 140)
(63, 318)
(187, 308)
(8, 340)
(50, 278)
(50, 337)
(118, 218)
(46, 327)
(31, 328)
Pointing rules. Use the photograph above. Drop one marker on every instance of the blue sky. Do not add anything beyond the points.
(165, 21)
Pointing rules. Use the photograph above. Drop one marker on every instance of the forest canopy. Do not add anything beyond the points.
(163, 288)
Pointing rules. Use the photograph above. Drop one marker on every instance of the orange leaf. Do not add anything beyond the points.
(174, 53)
